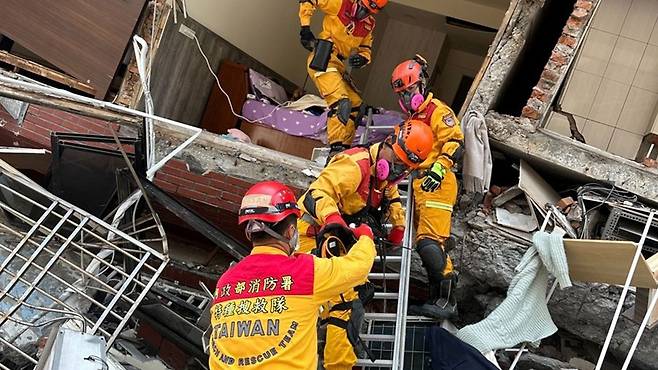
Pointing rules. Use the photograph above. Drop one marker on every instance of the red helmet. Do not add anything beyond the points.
(413, 142)
(409, 73)
(268, 201)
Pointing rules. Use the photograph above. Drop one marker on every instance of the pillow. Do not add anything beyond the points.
(264, 87)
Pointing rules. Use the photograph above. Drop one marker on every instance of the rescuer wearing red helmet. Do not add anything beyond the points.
(356, 184)
(266, 306)
(348, 24)
(436, 193)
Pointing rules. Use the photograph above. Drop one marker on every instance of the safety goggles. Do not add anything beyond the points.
(269, 209)
(373, 6)
(360, 12)
(413, 157)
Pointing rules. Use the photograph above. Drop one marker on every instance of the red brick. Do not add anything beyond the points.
(191, 194)
(37, 138)
(235, 198)
(38, 129)
(550, 75)
(184, 174)
(559, 58)
(580, 13)
(564, 203)
(177, 164)
(172, 179)
(575, 23)
(530, 112)
(539, 94)
(166, 186)
(584, 4)
(209, 190)
(567, 40)
(239, 183)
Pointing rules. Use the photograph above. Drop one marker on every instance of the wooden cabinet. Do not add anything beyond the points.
(218, 117)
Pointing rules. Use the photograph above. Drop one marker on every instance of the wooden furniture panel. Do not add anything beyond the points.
(84, 38)
(604, 261)
(218, 117)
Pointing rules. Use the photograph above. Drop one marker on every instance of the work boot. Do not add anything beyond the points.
(442, 304)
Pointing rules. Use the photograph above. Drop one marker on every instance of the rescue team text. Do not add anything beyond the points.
(272, 327)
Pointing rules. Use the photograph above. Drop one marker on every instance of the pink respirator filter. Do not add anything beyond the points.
(382, 169)
(416, 101)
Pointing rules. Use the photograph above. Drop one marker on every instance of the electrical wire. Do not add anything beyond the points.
(609, 193)
(228, 98)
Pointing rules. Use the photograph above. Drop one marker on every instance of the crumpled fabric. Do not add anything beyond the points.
(523, 316)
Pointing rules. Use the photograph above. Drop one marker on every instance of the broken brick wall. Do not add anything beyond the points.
(214, 196)
(561, 58)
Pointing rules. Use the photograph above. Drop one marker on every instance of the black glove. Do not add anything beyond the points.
(433, 178)
(358, 61)
(307, 38)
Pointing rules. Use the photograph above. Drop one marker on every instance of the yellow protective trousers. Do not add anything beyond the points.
(338, 351)
(434, 212)
(333, 87)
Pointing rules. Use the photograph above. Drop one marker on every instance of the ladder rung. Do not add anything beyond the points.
(382, 295)
(381, 276)
(389, 259)
(377, 316)
(378, 337)
(378, 363)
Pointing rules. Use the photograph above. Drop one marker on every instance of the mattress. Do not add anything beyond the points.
(301, 123)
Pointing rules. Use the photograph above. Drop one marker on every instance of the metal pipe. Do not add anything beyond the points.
(652, 305)
(134, 307)
(27, 236)
(47, 267)
(620, 304)
(74, 266)
(24, 268)
(16, 349)
(401, 316)
(90, 232)
(17, 176)
(123, 289)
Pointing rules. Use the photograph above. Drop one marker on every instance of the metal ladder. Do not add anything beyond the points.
(400, 318)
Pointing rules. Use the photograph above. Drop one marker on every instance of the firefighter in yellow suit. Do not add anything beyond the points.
(436, 193)
(353, 183)
(265, 311)
(349, 25)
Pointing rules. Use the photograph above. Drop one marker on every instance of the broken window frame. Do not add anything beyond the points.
(136, 265)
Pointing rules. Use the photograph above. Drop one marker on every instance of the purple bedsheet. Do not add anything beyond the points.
(304, 124)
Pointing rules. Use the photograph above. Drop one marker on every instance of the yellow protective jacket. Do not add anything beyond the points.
(345, 33)
(266, 308)
(345, 186)
(448, 136)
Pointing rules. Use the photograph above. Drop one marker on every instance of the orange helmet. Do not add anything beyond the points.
(268, 201)
(374, 5)
(409, 73)
(412, 142)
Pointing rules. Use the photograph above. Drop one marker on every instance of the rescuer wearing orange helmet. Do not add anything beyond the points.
(346, 38)
(356, 184)
(435, 193)
(265, 311)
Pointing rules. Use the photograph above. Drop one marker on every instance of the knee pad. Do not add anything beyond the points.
(342, 109)
(433, 257)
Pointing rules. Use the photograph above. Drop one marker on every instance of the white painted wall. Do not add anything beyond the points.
(401, 41)
(267, 30)
(458, 63)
